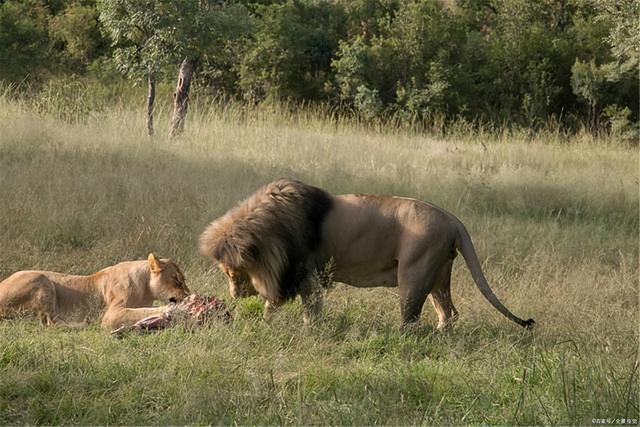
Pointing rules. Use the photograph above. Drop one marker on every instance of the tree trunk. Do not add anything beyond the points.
(181, 97)
(151, 97)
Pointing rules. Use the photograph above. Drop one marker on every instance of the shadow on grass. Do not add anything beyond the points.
(79, 199)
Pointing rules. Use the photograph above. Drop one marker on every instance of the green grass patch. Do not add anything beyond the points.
(555, 224)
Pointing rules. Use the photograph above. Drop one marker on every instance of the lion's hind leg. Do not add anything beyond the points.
(29, 292)
(440, 297)
(416, 280)
(43, 300)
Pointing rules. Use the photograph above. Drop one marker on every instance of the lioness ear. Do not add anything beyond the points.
(155, 265)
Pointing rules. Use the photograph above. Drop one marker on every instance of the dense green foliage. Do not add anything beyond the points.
(526, 62)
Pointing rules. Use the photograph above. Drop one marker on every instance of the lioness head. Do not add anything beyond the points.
(166, 281)
(239, 282)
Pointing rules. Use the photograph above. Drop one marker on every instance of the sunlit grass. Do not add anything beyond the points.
(555, 222)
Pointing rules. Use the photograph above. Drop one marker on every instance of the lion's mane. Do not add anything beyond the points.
(272, 233)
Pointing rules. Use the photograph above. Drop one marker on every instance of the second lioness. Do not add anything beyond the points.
(272, 242)
(123, 293)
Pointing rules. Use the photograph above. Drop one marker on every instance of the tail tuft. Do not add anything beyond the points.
(528, 324)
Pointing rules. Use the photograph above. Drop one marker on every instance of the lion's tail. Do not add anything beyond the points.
(465, 247)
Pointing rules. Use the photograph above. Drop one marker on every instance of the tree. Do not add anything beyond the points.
(181, 97)
(624, 36)
(290, 53)
(204, 30)
(606, 78)
(77, 29)
(142, 36)
(589, 82)
(405, 65)
(23, 39)
(150, 35)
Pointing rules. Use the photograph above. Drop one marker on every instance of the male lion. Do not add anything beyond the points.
(272, 241)
(122, 290)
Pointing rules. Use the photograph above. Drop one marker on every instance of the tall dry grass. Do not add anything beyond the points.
(554, 218)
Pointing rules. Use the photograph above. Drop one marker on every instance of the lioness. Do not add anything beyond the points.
(272, 241)
(126, 291)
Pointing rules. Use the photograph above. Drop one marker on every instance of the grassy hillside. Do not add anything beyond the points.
(555, 224)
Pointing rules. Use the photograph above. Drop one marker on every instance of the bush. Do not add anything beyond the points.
(23, 39)
(290, 54)
(501, 62)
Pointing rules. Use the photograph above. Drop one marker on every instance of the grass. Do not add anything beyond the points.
(554, 219)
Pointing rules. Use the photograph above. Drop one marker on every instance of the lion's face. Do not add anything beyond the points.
(166, 282)
(239, 282)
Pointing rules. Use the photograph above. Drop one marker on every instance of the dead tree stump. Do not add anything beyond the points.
(181, 97)
(151, 96)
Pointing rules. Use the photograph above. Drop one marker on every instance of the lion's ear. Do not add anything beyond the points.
(155, 265)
